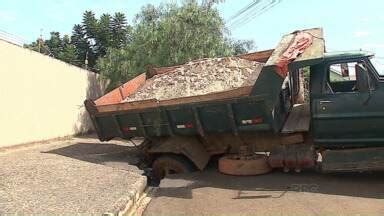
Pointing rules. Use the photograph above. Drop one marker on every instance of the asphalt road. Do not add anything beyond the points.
(277, 193)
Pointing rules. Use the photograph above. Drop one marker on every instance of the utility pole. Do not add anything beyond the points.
(86, 60)
(40, 39)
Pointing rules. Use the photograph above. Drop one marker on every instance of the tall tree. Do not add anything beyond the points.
(169, 35)
(68, 52)
(210, 3)
(57, 47)
(54, 44)
(242, 46)
(78, 39)
(104, 37)
(89, 41)
(90, 25)
(162, 35)
(119, 30)
(91, 31)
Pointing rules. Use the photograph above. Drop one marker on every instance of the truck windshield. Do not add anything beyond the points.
(378, 63)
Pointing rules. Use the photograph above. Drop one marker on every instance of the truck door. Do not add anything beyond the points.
(349, 111)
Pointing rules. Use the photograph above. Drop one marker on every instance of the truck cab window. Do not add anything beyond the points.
(342, 77)
(378, 63)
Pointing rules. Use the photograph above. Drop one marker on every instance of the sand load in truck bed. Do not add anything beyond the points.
(198, 78)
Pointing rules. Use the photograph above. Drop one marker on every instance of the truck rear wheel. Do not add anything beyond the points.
(235, 165)
(171, 164)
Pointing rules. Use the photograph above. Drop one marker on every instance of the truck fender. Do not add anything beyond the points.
(191, 147)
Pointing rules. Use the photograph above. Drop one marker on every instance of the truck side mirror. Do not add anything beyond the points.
(362, 78)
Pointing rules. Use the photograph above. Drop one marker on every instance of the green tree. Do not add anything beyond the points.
(164, 35)
(242, 46)
(36, 46)
(54, 44)
(169, 35)
(68, 52)
(79, 41)
(104, 35)
(90, 25)
(89, 40)
(116, 66)
(119, 30)
(210, 3)
(58, 47)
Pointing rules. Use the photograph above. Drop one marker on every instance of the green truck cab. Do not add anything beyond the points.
(347, 112)
(339, 127)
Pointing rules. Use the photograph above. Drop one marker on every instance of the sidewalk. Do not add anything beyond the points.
(75, 176)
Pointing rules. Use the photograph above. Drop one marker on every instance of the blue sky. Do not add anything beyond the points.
(348, 25)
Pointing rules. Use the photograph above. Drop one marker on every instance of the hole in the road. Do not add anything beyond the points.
(155, 182)
(170, 172)
(152, 181)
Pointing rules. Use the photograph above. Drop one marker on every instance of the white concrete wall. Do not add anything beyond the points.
(41, 98)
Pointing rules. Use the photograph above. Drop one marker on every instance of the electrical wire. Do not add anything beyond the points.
(17, 40)
(243, 10)
(253, 12)
(245, 13)
(259, 7)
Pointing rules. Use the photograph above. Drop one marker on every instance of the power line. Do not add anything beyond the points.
(254, 12)
(257, 13)
(17, 40)
(243, 10)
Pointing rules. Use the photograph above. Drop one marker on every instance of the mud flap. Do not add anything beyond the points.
(190, 147)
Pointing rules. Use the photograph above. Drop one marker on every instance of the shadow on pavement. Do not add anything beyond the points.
(110, 154)
(275, 185)
(270, 186)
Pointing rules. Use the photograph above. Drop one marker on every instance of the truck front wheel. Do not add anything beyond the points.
(171, 164)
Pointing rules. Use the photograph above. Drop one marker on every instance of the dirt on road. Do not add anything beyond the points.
(198, 78)
(304, 194)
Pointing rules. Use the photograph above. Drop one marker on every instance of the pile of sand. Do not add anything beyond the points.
(199, 78)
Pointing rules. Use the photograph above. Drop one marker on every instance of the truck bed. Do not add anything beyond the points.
(230, 114)
(241, 110)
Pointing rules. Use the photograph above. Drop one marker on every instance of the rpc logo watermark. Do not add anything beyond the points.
(305, 187)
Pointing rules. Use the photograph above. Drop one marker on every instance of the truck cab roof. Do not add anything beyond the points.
(331, 56)
(346, 55)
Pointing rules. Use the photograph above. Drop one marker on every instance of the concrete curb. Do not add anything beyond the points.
(140, 206)
(135, 195)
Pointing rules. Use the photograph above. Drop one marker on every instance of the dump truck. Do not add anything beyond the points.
(338, 128)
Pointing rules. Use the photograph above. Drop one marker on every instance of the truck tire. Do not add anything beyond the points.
(171, 164)
(234, 165)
